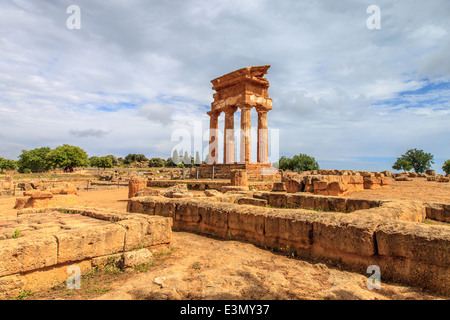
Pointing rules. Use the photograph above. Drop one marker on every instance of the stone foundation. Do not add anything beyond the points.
(255, 171)
(416, 254)
(52, 239)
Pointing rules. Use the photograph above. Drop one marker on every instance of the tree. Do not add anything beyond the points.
(114, 160)
(420, 160)
(6, 164)
(402, 164)
(301, 162)
(93, 161)
(101, 162)
(34, 160)
(133, 157)
(446, 167)
(156, 162)
(170, 163)
(66, 157)
(104, 162)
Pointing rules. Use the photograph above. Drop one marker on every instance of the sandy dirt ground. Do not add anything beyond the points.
(418, 189)
(200, 267)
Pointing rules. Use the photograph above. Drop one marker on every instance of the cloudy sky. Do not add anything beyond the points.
(135, 77)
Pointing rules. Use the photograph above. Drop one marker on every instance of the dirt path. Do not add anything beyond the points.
(206, 268)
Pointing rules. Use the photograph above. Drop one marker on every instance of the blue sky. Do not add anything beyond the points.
(138, 72)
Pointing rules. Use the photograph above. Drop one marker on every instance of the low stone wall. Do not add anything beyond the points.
(52, 239)
(390, 209)
(334, 184)
(255, 171)
(438, 211)
(192, 184)
(412, 253)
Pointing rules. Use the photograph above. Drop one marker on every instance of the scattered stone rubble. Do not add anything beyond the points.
(333, 182)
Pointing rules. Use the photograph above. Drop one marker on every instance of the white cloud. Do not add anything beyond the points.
(138, 69)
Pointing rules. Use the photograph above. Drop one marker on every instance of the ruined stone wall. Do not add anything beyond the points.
(39, 257)
(412, 253)
(333, 182)
(224, 171)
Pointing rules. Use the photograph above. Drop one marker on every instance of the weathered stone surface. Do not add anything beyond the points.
(253, 201)
(279, 186)
(135, 184)
(430, 172)
(294, 184)
(41, 194)
(91, 242)
(239, 177)
(402, 178)
(419, 242)
(226, 189)
(137, 257)
(212, 193)
(146, 192)
(176, 189)
(350, 240)
(438, 211)
(346, 233)
(27, 253)
(20, 202)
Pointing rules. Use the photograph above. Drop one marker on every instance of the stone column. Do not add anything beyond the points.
(263, 137)
(246, 126)
(213, 137)
(135, 184)
(228, 143)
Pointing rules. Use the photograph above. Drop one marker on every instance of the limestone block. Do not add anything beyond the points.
(137, 257)
(246, 223)
(253, 201)
(279, 186)
(145, 192)
(20, 202)
(402, 178)
(438, 211)
(93, 241)
(134, 185)
(69, 189)
(225, 189)
(239, 177)
(212, 193)
(430, 172)
(294, 185)
(429, 244)
(41, 195)
(289, 228)
(345, 233)
(277, 199)
(177, 190)
(213, 220)
(27, 253)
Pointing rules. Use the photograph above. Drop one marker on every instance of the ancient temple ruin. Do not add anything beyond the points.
(243, 89)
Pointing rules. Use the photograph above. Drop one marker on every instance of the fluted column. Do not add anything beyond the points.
(246, 126)
(263, 137)
(213, 156)
(228, 143)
